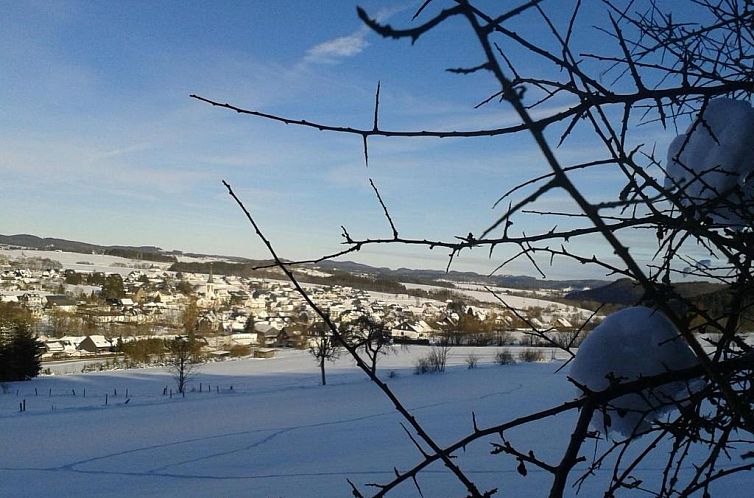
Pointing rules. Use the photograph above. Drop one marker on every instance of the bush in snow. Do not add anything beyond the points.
(629, 344)
(712, 163)
(530, 355)
(434, 361)
(504, 357)
(472, 360)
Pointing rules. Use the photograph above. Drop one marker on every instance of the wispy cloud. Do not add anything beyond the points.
(337, 49)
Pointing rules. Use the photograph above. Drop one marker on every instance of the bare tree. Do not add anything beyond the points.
(372, 337)
(183, 361)
(658, 69)
(324, 346)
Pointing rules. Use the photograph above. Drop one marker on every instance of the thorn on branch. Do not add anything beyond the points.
(354, 490)
(469, 239)
(384, 207)
(416, 443)
(346, 235)
(419, 11)
(376, 107)
(450, 259)
(366, 150)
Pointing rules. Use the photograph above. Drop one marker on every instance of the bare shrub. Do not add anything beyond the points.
(504, 357)
(422, 366)
(434, 361)
(570, 338)
(531, 355)
(472, 360)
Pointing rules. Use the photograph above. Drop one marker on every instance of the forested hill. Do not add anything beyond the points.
(336, 277)
(147, 253)
(628, 292)
(714, 299)
(248, 269)
(436, 277)
(243, 266)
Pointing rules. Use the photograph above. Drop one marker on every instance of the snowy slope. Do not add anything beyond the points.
(96, 262)
(482, 295)
(277, 433)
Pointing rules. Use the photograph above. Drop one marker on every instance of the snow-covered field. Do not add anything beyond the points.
(94, 262)
(277, 433)
(479, 293)
(402, 299)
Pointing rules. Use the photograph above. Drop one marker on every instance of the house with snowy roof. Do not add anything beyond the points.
(53, 348)
(411, 331)
(71, 343)
(266, 333)
(97, 344)
(562, 323)
(60, 303)
(244, 339)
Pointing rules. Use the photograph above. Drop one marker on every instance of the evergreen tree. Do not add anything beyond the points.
(25, 351)
(112, 288)
(249, 327)
(20, 350)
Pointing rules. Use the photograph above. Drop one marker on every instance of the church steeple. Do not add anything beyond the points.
(210, 280)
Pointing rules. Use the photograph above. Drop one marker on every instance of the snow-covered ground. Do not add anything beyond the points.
(278, 433)
(94, 262)
(479, 293)
(402, 299)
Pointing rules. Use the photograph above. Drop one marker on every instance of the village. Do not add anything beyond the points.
(98, 314)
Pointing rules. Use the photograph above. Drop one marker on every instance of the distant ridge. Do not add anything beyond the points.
(628, 292)
(429, 277)
(424, 276)
(149, 253)
(32, 241)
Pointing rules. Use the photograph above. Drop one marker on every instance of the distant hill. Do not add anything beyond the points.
(714, 299)
(247, 269)
(438, 277)
(149, 253)
(628, 292)
(245, 265)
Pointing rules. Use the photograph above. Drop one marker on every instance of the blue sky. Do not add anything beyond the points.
(100, 142)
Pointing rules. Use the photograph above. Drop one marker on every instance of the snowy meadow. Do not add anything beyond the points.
(265, 428)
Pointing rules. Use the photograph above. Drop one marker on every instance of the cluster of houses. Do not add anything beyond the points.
(230, 310)
(72, 346)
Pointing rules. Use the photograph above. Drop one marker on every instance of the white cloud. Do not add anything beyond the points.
(336, 49)
(331, 51)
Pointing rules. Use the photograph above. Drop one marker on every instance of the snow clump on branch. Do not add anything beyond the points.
(712, 164)
(629, 344)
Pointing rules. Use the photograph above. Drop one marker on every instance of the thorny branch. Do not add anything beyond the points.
(470, 486)
(665, 70)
